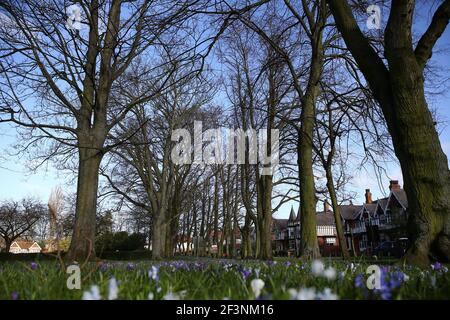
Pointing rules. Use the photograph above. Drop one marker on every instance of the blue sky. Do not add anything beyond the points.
(17, 182)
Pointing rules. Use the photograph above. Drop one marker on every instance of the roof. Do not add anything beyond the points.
(297, 219)
(382, 203)
(280, 223)
(370, 207)
(292, 214)
(25, 244)
(350, 211)
(400, 195)
(325, 219)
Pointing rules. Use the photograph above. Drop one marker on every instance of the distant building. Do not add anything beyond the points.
(286, 233)
(25, 247)
(365, 226)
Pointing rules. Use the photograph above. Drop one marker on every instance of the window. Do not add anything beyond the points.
(330, 241)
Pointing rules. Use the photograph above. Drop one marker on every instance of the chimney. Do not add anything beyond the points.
(326, 207)
(368, 196)
(393, 185)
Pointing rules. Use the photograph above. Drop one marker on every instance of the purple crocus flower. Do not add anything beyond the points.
(397, 278)
(270, 263)
(130, 267)
(246, 273)
(386, 294)
(437, 266)
(385, 291)
(33, 266)
(359, 281)
(103, 267)
(287, 263)
(14, 295)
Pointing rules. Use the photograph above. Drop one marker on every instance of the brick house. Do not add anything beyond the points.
(365, 226)
(25, 247)
(376, 221)
(286, 233)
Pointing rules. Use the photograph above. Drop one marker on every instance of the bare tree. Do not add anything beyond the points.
(398, 86)
(18, 218)
(71, 75)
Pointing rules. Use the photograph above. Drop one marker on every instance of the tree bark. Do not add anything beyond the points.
(8, 243)
(337, 215)
(264, 217)
(158, 237)
(400, 91)
(83, 238)
(309, 248)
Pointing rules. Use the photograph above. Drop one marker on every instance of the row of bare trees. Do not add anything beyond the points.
(104, 100)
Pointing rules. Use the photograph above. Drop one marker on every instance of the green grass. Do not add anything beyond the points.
(214, 279)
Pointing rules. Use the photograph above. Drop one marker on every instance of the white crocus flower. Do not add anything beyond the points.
(151, 296)
(113, 289)
(257, 285)
(92, 294)
(153, 273)
(326, 294)
(329, 273)
(317, 267)
(171, 296)
(302, 294)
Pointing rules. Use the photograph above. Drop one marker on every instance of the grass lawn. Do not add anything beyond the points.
(222, 279)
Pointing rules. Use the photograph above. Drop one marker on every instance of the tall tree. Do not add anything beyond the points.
(70, 71)
(398, 86)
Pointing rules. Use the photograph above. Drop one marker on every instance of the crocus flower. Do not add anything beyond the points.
(329, 273)
(130, 267)
(103, 267)
(326, 294)
(302, 294)
(246, 273)
(151, 296)
(14, 295)
(113, 289)
(437, 266)
(359, 281)
(173, 296)
(153, 273)
(257, 285)
(33, 266)
(92, 294)
(396, 279)
(317, 267)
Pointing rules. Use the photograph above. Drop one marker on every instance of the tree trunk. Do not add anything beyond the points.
(399, 90)
(417, 146)
(8, 243)
(425, 172)
(309, 248)
(337, 215)
(83, 237)
(158, 237)
(265, 217)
